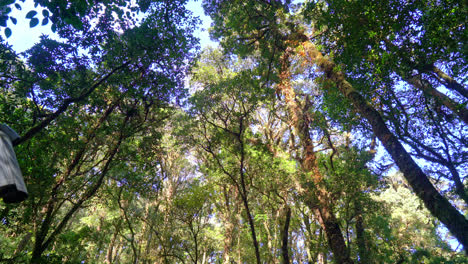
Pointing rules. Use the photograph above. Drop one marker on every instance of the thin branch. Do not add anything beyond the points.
(66, 103)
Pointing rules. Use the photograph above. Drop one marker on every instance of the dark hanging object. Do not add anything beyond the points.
(12, 187)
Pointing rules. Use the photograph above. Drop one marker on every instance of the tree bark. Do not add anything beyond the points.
(244, 192)
(252, 229)
(229, 228)
(360, 235)
(285, 237)
(110, 249)
(312, 252)
(320, 203)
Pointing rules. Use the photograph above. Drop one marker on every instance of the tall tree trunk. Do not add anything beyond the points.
(322, 252)
(204, 257)
(110, 249)
(312, 251)
(244, 192)
(230, 213)
(322, 258)
(271, 247)
(252, 229)
(228, 233)
(360, 235)
(285, 237)
(437, 204)
(241, 185)
(320, 203)
(147, 230)
(239, 255)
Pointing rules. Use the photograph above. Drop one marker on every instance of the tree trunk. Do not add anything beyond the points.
(228, 233)
(239, 255)
(241, 185)
(230, 213)
(309, 237)
(360, 236)
(438, 205)
(252, 229)
(110, 249)
(285, 237)
(244, 193)
(320, 203)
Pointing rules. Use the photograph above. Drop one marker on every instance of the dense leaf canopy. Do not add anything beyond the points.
(316, 132)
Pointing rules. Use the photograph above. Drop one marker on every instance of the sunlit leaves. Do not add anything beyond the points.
(97, 102)
(174, 190)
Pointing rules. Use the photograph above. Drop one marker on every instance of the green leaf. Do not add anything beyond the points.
(13, 20)
(45, 13)
(33, 22)
(3, 21)
(45, 21)
(18, 6)
(74, 21)
(81, 7)
(7, 32)
(54, 28)
(31, 14)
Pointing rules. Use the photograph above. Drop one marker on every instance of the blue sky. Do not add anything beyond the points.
(24, 37)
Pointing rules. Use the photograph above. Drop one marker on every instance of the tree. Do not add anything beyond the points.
(92, 103)
(77, 14)
(137, 149)
(275, 32)
(227, 118)
(402, 47)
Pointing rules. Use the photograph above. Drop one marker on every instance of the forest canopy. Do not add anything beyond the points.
(315, 132)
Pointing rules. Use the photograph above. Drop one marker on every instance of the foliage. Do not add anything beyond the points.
(137, 149)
